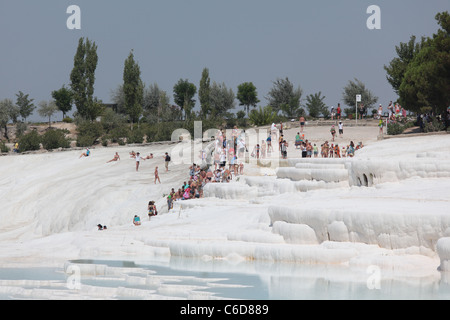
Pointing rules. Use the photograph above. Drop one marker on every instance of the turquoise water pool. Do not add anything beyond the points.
(192, 279)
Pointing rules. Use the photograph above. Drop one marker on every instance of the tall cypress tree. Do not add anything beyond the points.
(133, 88)
(82, 79)
(204, 94)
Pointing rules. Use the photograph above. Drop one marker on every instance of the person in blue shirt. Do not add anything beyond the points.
(86, 154)
(137, 221)
(269, 143)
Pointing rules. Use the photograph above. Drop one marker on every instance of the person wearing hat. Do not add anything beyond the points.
(341, 128)
(380, 111)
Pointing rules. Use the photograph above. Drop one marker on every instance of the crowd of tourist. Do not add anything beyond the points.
(228, 154)
(225, 165)
(193, 187)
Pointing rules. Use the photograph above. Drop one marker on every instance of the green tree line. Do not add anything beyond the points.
(419, 75)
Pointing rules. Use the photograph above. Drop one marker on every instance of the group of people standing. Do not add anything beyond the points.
(334, 151)
(395, 111)
(336, 113)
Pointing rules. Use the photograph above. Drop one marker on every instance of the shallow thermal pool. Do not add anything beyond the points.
(193, 279)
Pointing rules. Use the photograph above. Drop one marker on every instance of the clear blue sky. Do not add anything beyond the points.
(319, 45)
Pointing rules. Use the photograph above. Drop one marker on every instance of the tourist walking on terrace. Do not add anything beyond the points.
(302, 123)
(380, 111)
(157, 175)
(283, 148)
(333, 132)
(166, 161)
(138, 160)
(341, 129)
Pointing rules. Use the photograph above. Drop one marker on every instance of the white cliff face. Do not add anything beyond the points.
(394, 202)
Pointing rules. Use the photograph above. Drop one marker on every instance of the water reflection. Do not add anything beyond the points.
(274, 281)
(193, 279)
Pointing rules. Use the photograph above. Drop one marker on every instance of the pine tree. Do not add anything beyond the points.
(247, 95)
(284, 97)
(183, 94)
(25, 105)
(63, 99)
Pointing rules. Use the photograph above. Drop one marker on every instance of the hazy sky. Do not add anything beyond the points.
(319, 45)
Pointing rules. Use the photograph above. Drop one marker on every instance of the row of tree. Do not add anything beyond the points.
(420, 75)
(24, 107)
(135, 100)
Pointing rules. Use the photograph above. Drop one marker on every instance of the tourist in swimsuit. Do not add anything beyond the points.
(302, 123)
(269, 143)
(157, 175)
(86, 154)
(116, 158)
(138, 159)
(152, 209)
(333, 132)
(137, 221)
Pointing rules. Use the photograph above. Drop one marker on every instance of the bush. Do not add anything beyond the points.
(349, 111)
(67, 120)
(136, 136)
(408, 124)
(112, 120)
(85, 141)
(160, 131)
(88, 133)
(433, 126)
(262, 116)
(30, 142)
(21, 128)
(105, 140)
(241, 120)
(54, 139)
(119, 133)
(395, 128)
(3, 147)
